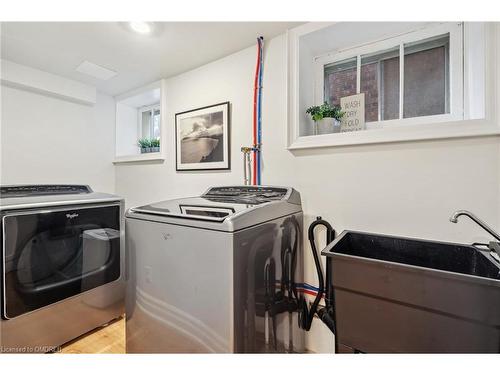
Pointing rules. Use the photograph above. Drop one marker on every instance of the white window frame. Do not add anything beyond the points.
(487, 125)
(149, 108)
(150, 156)
(456, 99)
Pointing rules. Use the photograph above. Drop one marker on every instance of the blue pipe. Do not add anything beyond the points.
(257, 153)
(259, 112)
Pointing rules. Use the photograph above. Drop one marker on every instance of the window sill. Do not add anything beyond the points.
(147, 157)
(448, 130)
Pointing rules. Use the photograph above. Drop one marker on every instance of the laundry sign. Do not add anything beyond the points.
(354, 113)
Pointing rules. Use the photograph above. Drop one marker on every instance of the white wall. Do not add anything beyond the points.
(228, 79)
(45, 139)
(126, 130)
(406, 189)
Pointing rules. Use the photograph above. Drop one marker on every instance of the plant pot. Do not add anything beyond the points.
(143, 150)
(155, 149)
(336, 126)
(326, 126)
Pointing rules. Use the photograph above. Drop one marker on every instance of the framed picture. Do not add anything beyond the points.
(202, 138)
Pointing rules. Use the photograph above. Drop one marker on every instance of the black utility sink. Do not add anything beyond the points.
(428, 254)
(395, 294)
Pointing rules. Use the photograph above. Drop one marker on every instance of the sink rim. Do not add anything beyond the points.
(451, 274)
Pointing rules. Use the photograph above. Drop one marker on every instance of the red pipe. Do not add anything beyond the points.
(256, 83)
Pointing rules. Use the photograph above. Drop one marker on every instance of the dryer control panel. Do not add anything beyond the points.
(13, 191)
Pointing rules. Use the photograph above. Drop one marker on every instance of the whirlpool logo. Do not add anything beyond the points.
(72, 216)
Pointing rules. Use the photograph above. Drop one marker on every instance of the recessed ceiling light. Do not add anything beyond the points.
(95, 70)
(151, 29)
(141, 27)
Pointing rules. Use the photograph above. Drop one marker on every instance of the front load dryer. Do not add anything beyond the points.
(216, 273)
(62, 264)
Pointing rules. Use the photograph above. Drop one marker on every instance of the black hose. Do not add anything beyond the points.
(308, 314)
(291, 238)
(288, 255)
(326, 317)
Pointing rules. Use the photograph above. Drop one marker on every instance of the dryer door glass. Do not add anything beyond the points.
(52, 255)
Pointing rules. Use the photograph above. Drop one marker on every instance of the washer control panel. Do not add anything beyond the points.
(246, 194)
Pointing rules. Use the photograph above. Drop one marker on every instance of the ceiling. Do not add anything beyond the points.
(175, 47)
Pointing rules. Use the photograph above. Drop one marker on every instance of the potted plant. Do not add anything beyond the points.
(145, 145)
(155, 145)
(326, 118)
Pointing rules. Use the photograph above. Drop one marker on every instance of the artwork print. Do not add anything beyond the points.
(202, 138)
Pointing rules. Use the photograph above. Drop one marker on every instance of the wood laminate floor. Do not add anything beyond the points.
(109, 339)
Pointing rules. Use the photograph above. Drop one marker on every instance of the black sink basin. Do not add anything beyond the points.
(429, 254)
(395, 294)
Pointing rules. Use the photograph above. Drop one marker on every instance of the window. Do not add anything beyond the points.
(150, 122)
(139, 124)
(420, 80)
(426, 69)
(380, 84)
(340, 80)
(404, 78)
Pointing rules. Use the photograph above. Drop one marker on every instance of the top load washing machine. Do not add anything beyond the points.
(62, 251)
(215, 273)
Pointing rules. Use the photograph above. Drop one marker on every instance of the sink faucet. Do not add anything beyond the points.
(493, 246)
(482, 224)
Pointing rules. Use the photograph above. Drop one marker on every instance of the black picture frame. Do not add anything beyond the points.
(225, 164)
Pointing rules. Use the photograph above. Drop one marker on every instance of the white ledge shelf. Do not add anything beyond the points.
(147, 157)
(458, 129)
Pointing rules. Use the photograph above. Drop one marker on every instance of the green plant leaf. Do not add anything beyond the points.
(325, 110)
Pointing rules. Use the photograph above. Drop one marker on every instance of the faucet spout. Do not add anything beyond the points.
(478, 221)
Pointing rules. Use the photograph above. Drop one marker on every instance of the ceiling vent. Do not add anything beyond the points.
(95, 70)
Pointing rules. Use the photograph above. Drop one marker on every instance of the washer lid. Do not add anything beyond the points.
(198, 208)
(227, 208)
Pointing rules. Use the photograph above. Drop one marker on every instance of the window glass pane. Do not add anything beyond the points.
(340, 80)
(380, 84)
(146, 124)
(156, 123)
(426, 77)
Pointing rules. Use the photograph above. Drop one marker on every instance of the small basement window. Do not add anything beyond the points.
(405, 78)
(150, 122)
(139, 125)
(397, 81)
